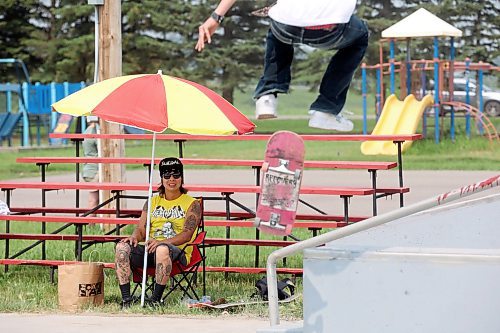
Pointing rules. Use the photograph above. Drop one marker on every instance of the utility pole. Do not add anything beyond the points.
(110, 65)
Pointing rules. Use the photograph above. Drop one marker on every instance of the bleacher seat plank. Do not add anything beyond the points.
(61, 237)
(137, 213)
(396, 190)
(248, 242)
(112, 238)
(67, 210)
(246, 270)
(252, 270)
(207, 161)
(200, 188)
(41, 262)
(248, 137)
(297, 224)
(70, 219)
(120, 220)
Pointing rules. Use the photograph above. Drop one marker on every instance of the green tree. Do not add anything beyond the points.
(74, 39)
(59, 47)
(15, 31)
(155, 36)
(480, 24)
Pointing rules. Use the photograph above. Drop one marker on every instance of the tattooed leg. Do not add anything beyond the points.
(163, 265)
(122, 262)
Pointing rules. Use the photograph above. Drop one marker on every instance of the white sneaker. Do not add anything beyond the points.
(329, 121)
(265, 107)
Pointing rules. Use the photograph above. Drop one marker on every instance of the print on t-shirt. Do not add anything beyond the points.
(167, 230)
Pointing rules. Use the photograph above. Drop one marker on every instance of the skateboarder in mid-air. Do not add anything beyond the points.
(323, 24)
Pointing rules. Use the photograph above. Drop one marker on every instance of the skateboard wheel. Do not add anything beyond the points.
(256, 222)
(273, 226)
(274, 219)
(265, 166)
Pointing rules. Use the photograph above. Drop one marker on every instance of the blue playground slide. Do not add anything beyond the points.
(8, 122)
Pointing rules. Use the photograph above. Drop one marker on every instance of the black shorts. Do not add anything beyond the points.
(137, 256)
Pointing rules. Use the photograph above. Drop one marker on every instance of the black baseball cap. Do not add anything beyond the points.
(171, 164)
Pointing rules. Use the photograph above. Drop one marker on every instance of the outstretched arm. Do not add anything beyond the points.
(207, 29)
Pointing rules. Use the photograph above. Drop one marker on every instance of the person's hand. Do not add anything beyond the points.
(131, 240)
(205, 31)
(152, 244)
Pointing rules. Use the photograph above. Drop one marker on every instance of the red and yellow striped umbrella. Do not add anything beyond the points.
(156, 102)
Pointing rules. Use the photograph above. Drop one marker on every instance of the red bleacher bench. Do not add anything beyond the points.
(206, 213)
(208, 188)
(70, 219)
(249, 137)
(112, 238)
(365, 165)
(68, 210)
(245, 270)
(123, 221)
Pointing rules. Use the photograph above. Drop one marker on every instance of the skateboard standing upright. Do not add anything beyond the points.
(281, 178)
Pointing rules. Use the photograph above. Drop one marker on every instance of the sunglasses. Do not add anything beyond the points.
(175, 174)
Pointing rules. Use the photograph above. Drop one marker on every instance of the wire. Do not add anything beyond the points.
(96, 45)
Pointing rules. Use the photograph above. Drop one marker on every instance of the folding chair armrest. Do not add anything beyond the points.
(196, 242)
(199, 239)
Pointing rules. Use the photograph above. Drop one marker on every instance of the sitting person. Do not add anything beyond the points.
(90, 171)
(175, 217)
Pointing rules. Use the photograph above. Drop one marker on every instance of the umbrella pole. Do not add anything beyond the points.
(148, 221)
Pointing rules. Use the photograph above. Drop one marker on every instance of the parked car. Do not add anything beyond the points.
(491, 98)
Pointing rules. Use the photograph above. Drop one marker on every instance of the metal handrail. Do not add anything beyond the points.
(361, 226)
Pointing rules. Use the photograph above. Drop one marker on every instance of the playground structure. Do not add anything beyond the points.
(34, 105)
(414, 77)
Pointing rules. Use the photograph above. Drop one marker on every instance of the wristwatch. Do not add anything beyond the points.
(218, 18)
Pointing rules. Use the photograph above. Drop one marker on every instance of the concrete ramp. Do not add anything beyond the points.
(434, 272)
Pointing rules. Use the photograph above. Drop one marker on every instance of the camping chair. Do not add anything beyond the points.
(182, 277)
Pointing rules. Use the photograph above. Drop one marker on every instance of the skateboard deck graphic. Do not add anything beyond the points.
(280, 184)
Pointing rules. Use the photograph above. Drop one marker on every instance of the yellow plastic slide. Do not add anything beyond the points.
(398, 117)
(386, 124)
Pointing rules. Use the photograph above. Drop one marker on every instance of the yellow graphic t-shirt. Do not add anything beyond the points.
(168, 218)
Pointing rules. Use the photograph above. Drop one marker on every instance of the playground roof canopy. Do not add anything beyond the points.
(421, 23)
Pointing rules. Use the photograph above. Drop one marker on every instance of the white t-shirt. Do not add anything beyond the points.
(304, 13)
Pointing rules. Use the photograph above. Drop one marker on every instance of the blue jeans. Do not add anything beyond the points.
(349, 39)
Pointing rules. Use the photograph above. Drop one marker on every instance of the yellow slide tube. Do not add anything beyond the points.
(408, 122)
(398, 117)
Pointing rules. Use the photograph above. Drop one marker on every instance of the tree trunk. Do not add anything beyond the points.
(227, 89)
(110, 65)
